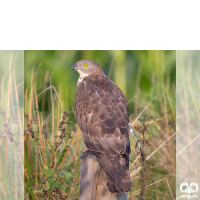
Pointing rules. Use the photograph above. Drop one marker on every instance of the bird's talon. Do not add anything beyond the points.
(85, 150)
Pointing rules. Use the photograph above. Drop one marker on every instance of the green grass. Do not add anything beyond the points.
(49, 140)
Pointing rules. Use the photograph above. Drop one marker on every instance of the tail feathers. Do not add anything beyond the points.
(118, 176)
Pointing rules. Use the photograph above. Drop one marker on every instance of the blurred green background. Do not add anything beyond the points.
(132, 71)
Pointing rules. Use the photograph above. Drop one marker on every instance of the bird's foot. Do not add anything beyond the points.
(85, 150)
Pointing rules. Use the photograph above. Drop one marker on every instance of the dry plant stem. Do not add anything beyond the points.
(52, 107)
(153, 121)
(170, 103)
(136, 159)
(145, 109)
(30, 115)
(39, 125)
(157, 191)
(47, 168)
(137, 192)
(68, 150)
(137, 170)
(142, 179)
(54, 91)
(58, 111)
(142, 160)
(133, 97)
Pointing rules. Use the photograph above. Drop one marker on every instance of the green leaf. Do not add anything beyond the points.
(62, 155)
(48, 172)
(53, 149)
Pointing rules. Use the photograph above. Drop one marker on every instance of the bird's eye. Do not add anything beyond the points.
(85, 65)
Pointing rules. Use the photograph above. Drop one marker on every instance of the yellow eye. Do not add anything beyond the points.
(85, 65)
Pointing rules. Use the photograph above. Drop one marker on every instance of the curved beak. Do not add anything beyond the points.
(74, 67)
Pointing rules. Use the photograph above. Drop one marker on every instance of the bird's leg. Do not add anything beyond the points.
(85, 150)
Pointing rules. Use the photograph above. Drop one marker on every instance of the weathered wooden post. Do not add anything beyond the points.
(92, 183)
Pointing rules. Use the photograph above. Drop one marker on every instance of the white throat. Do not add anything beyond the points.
(80, 80)
(82, 75)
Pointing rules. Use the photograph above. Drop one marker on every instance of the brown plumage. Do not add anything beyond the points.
(102, 114)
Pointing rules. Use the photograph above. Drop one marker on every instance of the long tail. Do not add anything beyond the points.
(132, 131)
(117, 172)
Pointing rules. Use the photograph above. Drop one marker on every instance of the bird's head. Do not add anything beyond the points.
(87, 67)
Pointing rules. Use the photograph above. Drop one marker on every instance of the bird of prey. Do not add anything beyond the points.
(101, 112)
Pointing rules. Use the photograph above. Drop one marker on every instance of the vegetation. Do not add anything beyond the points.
(53, 141)
(11, 125)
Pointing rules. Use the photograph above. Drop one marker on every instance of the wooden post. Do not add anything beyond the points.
(92, 183)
